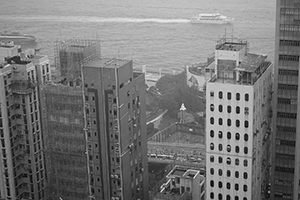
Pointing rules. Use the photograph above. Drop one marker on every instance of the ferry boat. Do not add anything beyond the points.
(210, 19)
(16, 37)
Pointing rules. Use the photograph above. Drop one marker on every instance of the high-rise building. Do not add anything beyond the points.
(285, 141)
(238, 122)
(22, 171)
(115, 130)
(63, 123)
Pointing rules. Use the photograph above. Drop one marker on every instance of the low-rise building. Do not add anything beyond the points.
(184, 183)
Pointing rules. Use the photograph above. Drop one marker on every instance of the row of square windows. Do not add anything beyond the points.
(220, 148)
(237, 122)
(228, 162)
(229, 95)
(228, 197)
(228, 186)
(237, 135)
(237, 109)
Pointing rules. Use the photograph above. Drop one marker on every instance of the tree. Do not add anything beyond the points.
(175, 91)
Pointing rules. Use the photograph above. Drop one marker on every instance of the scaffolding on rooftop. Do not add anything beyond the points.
(69, 54)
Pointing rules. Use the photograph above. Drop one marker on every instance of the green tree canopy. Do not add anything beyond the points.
(175, 91)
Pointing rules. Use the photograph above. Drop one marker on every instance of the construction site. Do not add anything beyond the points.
(63, 122)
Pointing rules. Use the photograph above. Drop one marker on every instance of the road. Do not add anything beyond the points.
(181, 152)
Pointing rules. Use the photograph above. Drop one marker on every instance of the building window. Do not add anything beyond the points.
(212, 159)
(245, 175)
(228, 122)
(220, 147)
(228, 161)
(212, 107)
(237, 110)
(228, 173)
(220, 184)
(237, 149)
(246, 111)
(212, 133)
(220, 108)
(245, 187)
(236, 187)
(236, 174)
(246, 124)
(220, 134)
(245, 163)
(220, 160)
(211, 93)
(237, 162)
(238, 96)
(236, 198)
(212, 171)
(229, 109)
(228, 135)
(246, 150)
(212, 196)
(246, 97)
(220, 172)
(229, 95)
(212, 120)
(220, 196)
(246, 137)
(220, 95)
(220, 121)
(212, 183)
(237, 136)
(237, 123)
(228, 186)
(212, 146)
(228, 148)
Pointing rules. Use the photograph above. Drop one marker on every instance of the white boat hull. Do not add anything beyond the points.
(194, 21)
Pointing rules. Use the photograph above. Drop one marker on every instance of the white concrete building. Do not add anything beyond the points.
(238, 100)
(188, 183)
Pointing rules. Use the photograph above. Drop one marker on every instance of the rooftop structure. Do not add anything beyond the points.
(233, 64)
(69, 55)
(184, 183)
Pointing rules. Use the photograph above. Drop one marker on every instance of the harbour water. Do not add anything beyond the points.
(156, 33)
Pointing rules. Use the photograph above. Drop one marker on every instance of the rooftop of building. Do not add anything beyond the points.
(107, 62)
(231, 44)
(183, 172)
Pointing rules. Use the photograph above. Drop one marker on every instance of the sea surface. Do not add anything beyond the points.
(155, 33)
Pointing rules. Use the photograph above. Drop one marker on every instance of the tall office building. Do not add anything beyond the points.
(22, 171)
(115, 130)
(285, 141)
(238, 123)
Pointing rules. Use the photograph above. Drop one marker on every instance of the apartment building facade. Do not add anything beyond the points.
(115, 129)
(22, 170)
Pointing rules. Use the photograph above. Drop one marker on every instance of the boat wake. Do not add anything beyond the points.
(82, 19)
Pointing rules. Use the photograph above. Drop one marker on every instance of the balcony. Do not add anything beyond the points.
(22, 86)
